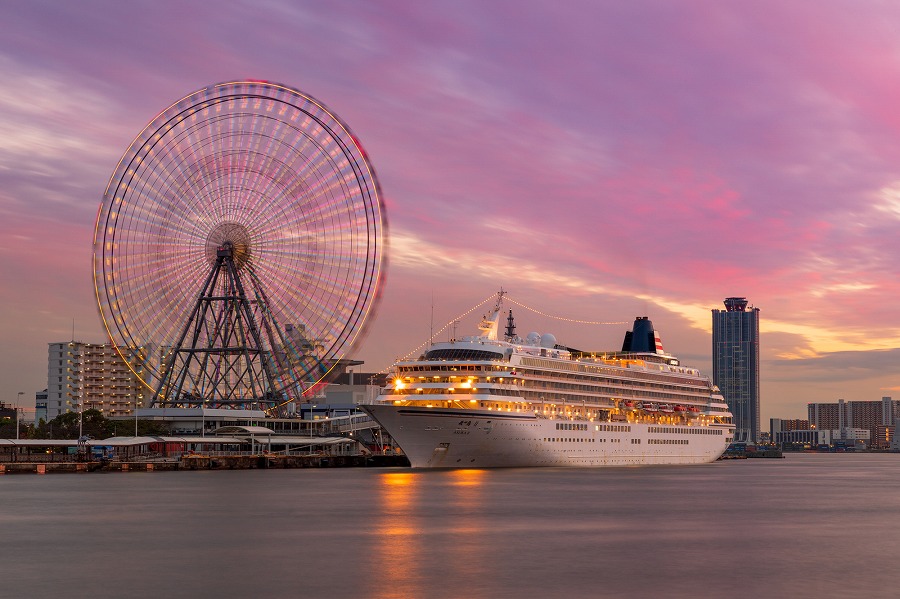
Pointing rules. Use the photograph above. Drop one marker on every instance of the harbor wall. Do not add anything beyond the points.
(200, 462)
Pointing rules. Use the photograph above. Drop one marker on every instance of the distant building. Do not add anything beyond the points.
(735, 354)
(355, 388)
(812, 437)
(7, 411)
(40, 406)
(895, 443)
(852, 434)
(877, 417)
(827, 416)
(348, 389)
(779, 425)
(82, 376)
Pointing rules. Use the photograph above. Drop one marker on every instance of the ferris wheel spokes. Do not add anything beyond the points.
(224, 361)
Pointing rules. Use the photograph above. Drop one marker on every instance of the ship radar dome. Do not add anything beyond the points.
(548, 340)
(533, 338)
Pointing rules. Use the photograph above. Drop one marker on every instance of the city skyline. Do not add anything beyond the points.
(599, 161)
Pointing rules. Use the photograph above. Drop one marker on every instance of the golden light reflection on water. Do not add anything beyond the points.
(467, 501)
(467, 477)
(414, 536)
(395, 569)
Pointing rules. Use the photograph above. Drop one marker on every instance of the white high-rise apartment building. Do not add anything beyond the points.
(82, 376)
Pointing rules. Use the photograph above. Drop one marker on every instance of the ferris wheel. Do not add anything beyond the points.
(239, 247)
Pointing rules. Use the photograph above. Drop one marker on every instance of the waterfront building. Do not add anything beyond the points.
(332, 409)
(344, 393)
(735, 354)
(852, 434)
(350, 385)
(877, 417)
(82, 376)
(777, 425)
(895, 442)
(809, 437)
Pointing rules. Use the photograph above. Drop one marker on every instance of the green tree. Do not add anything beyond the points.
(95, 424)
(7, 428)
(64, 426)
(145, 428)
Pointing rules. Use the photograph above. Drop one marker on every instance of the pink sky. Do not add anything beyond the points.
(598, 160)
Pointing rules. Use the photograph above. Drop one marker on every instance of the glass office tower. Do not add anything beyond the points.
(735, 354)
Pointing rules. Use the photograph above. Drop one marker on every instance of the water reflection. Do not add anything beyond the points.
(631, 532)
(395, 569)
(466, 500)
(466, 532)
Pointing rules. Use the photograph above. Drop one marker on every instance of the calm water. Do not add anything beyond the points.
(804, 526)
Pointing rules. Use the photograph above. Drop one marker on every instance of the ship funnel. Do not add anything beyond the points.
(642, 338)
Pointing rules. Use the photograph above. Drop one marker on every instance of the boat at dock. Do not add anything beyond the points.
(497, 400)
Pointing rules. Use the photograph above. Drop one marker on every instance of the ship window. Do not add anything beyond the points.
(462, 354)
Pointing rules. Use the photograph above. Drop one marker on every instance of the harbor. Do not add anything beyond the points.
(218, 440)
(353, 532)
(207, 462)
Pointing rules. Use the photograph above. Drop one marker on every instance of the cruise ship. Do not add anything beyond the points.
(492, 400)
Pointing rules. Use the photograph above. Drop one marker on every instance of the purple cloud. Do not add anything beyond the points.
(608, 159)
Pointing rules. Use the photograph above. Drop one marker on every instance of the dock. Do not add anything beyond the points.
(230, 448)
(208, 462)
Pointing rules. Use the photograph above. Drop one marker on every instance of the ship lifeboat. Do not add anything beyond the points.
(694, 409)
(680, 409)
(651, 407)
(629, 404)
(665, 408)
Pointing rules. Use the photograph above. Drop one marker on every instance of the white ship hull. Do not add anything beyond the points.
(453, 438)
(486, 402)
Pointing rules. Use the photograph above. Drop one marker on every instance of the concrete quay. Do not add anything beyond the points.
(208, 462)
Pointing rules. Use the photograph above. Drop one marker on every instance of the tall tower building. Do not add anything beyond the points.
(735, 354)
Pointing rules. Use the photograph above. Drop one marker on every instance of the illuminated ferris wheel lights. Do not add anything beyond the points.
(267, 172)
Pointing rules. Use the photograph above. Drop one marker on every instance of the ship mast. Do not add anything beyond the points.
(510, 327)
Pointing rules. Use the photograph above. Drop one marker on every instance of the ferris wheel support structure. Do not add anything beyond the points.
(231, 368)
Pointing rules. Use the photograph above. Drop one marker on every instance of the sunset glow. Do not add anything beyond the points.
(599, 161)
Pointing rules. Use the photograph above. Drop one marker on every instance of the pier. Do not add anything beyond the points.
(231, 448)
(208, 462)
